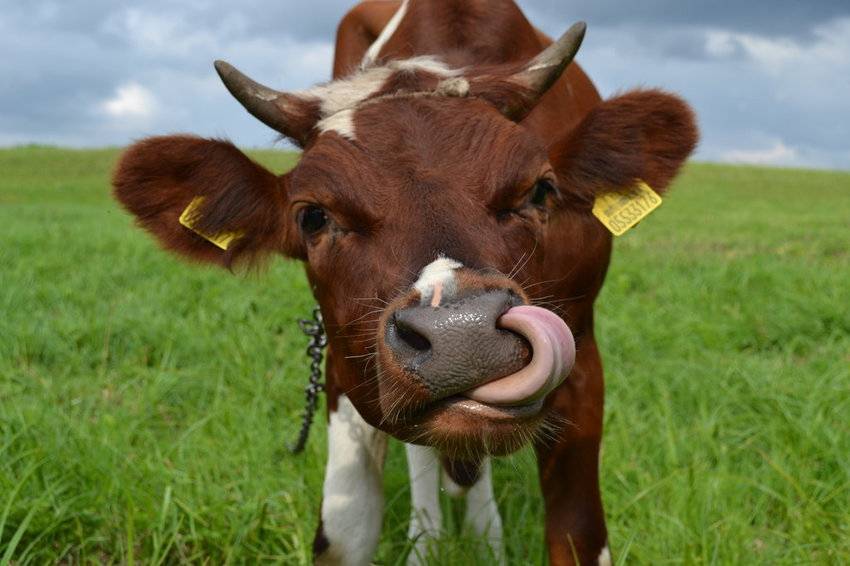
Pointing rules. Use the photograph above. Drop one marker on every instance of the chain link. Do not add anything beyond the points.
(315, 329)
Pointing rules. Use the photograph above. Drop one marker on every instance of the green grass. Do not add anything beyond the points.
(145, 404)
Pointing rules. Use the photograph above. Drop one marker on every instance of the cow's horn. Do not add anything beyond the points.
(281, 111)
(539, 74)
(542, 71)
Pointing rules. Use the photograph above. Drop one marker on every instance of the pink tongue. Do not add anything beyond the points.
(554, 353)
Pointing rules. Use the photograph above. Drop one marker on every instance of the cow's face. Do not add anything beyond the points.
(432, 225)
(418, 234)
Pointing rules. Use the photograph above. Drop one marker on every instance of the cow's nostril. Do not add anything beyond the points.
(412, 338)
(458, 345)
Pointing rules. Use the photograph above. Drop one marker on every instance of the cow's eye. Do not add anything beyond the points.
(540, 191)
(312, 219)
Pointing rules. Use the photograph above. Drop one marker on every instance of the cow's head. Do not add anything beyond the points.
(439, 234)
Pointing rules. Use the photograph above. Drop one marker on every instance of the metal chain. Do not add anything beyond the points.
(315, 329)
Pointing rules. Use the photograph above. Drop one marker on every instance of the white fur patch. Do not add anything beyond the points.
(604, 557)
(347, 93)
(342, 123)
(456, 86)
(426, 63)
(426, 517)
(339, 99)
(437, 276)
(389, 30)
(482, 513)
(353, 494)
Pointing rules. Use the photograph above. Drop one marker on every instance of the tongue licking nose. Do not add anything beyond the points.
(553, 356)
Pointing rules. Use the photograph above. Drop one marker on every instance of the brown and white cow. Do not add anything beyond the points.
(442, 208)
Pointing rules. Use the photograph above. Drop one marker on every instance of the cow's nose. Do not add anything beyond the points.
(457, 345)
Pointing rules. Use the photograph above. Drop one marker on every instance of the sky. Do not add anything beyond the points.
(769, 79)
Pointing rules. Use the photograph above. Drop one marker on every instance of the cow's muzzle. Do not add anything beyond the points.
(486, 346)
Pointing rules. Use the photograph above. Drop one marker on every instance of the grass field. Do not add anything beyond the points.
(145, 404)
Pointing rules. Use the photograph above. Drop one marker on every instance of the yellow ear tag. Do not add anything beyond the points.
(621, 211)
(187, 219)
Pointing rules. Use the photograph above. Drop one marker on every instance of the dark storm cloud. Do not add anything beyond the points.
(794, 18)
(318, 19)
(768, 78)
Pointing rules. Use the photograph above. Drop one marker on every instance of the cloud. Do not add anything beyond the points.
(831, 47)
(768, 18)
(776, 154)
(761, 75)
(748, 89)
(130, 101)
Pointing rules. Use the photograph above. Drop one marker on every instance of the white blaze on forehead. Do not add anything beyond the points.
(342, 123)
(350, 91)
(389, 30)
(353, 494)
(339, 99)
(437, 280)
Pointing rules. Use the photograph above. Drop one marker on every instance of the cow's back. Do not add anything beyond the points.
(464, 33)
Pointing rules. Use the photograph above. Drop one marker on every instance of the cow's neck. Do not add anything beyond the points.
(459, 32)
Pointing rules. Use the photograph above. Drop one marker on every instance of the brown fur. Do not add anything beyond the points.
(427, 175)
(464, 473)
(239, 196)
(642, 135)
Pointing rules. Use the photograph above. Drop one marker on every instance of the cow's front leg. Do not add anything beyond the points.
(569, 468)
(474, 480)
(353, 496)
(469, 479)
(426, 517)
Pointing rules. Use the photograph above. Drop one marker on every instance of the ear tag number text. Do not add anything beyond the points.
(621, 211)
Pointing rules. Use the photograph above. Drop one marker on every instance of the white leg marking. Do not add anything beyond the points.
(389, 30)
(604, 557)
(439, 274)
(426, 517)
(353, 495)
(482, 513)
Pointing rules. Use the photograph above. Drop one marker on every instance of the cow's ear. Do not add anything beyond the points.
(158, 178)
(641, 135)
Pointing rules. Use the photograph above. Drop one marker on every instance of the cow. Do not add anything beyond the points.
(442, 207)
